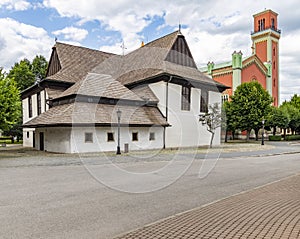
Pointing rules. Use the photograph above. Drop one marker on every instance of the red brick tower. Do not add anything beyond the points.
(265, 40)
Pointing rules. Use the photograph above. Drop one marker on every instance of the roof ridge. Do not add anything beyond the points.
(164, 37)
(84, 48)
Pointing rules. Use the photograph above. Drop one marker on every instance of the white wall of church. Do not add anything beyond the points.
(55, 139)
(28, 138)
(100, 139)
(185, 129)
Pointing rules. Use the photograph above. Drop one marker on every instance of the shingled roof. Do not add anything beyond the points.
(160, 57)
(71, 63)
(81, 113)
(101, 85)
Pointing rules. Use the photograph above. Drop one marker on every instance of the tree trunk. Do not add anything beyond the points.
(232, 134)
(284, 134)
(256, 134)
(211, 139)
(274, 130)
(226, 138)
(248, 134)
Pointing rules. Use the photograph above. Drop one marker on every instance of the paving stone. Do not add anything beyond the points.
(271, 211)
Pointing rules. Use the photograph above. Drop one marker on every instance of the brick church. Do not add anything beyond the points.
(261, 66)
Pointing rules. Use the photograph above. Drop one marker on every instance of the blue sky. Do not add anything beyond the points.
(213, 29)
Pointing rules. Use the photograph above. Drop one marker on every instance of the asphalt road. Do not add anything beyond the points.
(58, 196)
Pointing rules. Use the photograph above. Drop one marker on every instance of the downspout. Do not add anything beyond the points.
(167, 109)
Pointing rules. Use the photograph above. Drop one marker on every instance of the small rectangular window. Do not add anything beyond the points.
(185, 98)
(135, 136)
(152, 136)
(110, 137)
(88, 138)
(27, 135)
(204, 101)
(29, 106)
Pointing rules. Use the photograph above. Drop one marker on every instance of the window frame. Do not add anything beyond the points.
(39, 103)
(151, 136)
(110, 139)
(135, 136)
(204, 101)
(30, 106)
(186, 98)
(88, 137)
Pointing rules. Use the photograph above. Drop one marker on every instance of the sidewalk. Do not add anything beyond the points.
(270, 211)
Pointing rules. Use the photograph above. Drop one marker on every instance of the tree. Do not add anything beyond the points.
(229, 120)
(250, 104)
(22, 74)
(39, 67)
(212, 119)
(10, 103)
(278, 117)
(295, 101)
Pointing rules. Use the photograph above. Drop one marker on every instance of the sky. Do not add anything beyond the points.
(213, 29)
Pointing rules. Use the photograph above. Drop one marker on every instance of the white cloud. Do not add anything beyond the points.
(72, 33)
(17, 5)
(19, 40)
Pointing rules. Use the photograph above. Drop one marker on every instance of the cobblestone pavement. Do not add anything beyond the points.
(271, 211)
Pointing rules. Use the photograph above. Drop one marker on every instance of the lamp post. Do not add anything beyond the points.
(263, 132)
(119, 112)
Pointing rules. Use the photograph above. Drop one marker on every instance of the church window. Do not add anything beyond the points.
(135, 136)
(110, 137)
(274, 82)
(39, 104)
(258, 25)
(152, 136)
(274, 51)
(204, 101)
(29, 106)
(88, 137)
(185, 98)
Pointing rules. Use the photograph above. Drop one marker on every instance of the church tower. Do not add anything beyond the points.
(265, 39)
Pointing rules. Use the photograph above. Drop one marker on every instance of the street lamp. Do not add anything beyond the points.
(119, 112)
(263, 132)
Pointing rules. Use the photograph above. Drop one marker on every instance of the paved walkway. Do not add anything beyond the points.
(271, 211)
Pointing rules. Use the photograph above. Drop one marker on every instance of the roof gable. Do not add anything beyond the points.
(54, 63)
(180, 53)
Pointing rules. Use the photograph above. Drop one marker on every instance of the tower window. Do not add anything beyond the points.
(274, 65)
(258, 25)
(273, 23)
(274, 51)
(274, 82)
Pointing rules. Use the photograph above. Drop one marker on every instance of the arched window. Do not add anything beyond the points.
(273, 23)
(258, 25)
(274, 51)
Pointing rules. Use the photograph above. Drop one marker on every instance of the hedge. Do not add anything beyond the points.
(292, 137)
(274, 137)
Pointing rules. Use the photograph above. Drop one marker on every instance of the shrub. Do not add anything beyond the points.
(292, 137)
(274, 137)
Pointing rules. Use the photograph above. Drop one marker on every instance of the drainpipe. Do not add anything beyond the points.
(167, 109)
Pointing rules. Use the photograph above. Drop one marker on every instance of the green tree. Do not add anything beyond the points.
(10, 103)
(229, 121)
(22, 74)
(278, 117)
(250, 104)
(295, 101)
(39, 67)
